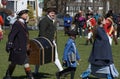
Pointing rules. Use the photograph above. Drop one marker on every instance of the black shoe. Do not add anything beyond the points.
(7, 77)
(57, 75)
(30, 78)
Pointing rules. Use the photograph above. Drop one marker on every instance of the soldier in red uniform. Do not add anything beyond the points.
(91, 22)
(109, 28)
(1, 24)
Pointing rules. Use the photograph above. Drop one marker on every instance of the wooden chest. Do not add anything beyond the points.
(42, 51)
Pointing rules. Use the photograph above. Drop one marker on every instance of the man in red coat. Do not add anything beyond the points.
(91, 22)
(110, 29)
(1, 24)
(1, 21)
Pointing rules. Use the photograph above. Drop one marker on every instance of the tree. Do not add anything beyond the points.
(31, 10)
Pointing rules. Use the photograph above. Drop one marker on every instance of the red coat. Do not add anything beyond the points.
(90, 24)
(109, 29)
(1, 21)
(1, 34)
(1, 24)
(93, 22)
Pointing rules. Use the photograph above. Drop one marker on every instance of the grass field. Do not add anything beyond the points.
(48, 71)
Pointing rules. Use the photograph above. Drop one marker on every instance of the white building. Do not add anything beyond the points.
(17, 5)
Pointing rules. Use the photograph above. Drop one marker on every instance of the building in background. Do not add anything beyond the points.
(17, 5)
(73, 7)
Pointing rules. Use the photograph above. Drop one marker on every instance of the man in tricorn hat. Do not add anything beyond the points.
(17, 45)
(110, 27)
(90, 24)
(47, 28)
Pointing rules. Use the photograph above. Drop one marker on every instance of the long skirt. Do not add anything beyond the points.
(101, 71)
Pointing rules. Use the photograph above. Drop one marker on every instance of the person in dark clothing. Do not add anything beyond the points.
(47, 28)
(100, 59)
(76, 22)
(70, 56)
(82, 21)
(17, 45)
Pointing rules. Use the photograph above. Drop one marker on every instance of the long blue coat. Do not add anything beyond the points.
(18, 36)
(101, 53)
(69, 48)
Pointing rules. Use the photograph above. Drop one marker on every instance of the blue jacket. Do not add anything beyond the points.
(67, 21)
(69, 48)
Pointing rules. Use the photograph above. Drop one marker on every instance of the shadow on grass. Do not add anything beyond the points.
(93, 78)
(19, 77)
(40, 75)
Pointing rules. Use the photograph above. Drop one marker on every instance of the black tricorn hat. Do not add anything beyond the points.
(51, 9)
(109, 14)
(22, 12)
(89, 14)
(72, 33)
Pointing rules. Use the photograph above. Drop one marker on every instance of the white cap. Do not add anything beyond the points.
(19, 13)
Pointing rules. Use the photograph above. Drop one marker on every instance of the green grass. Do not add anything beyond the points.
(48, 71)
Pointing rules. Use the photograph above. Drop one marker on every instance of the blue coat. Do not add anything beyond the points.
(69, 48)
(67, 21)
(101, 53)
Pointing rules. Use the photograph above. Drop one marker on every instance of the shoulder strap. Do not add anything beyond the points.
(24, 28)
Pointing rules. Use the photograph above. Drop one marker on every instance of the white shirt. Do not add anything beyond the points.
(11, 19)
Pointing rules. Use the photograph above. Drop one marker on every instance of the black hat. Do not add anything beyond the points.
(51, 9)
(72, 33)
(89, 14)
(109, 14)
(22, 12)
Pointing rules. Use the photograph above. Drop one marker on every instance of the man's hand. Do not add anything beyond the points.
(9, 46)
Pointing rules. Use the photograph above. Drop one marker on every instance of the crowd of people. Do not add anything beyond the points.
(85, 22)
(99, 31)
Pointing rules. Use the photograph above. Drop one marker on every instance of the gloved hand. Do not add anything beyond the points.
(9, 46)
(64, 63)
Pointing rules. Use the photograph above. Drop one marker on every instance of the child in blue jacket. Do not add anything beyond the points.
(70, 56)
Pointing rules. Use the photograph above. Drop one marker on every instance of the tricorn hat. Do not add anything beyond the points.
(89, 14)
(72, 33)
(22, 12)
(51, 9)
(109, 14)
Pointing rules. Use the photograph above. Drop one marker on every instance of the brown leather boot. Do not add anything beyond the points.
(29, 75)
